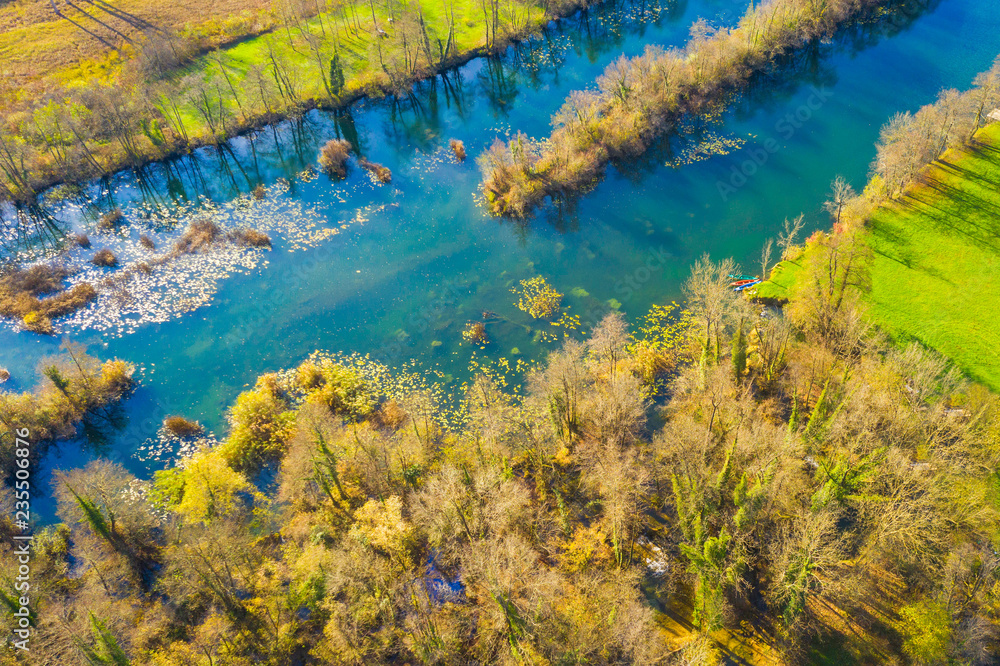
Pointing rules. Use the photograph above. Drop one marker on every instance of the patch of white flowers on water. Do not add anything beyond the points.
(167, 448)
(625, 16)
(156, 286)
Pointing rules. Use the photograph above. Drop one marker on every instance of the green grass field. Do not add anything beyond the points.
(257, 62)
(936, 268)
(779, 285)
(355, 46)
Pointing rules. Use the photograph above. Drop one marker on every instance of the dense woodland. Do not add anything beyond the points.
(793, 477)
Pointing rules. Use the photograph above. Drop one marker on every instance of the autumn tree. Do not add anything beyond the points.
(836, 273)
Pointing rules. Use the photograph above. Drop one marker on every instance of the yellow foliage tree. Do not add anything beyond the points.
(538, 298)
(380, 524)
(211, 487)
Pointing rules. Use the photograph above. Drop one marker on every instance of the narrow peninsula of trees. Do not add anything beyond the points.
(75, 389)
(637, 100)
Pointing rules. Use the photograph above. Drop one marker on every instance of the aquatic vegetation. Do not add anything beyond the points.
(4, 375)
(333, 157)
(475, 332)
(36, 295)
(707, 144)
(147, 242)
(199, 236)
(259, 191)
(538, 298)
(381, 173)
(203, 234)
(36, 323)
(104, 258)
(663, 342)
(406, 385)
(158, 287)
(168, 449)
(35, 280)
(458, 148)
(82, 240)
(182, 427)
(111, 219)
(252, 238)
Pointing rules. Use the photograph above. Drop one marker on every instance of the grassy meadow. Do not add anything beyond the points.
(936, 269)
(935, 272)
(41, 50)
(349, 34)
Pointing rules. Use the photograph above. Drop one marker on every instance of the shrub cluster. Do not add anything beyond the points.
(538, 298)
(36, 296)
(182, 427)
(475, 332)
(333, 157)
(381, 173)
(104, 258)
(458, 149)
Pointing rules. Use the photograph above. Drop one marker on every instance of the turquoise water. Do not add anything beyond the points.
(416, 259)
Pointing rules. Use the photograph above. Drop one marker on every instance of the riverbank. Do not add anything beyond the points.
(145, 109)
(935, 259)
(638, 100)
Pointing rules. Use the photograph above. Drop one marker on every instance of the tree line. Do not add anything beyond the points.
(173, 95)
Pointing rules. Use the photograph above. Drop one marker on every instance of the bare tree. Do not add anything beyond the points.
(711, 299)
(834, 275)
(987, 93)
(765, 258)
(790, 233)
(608, 341)
(840, 193)
(14, 162)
